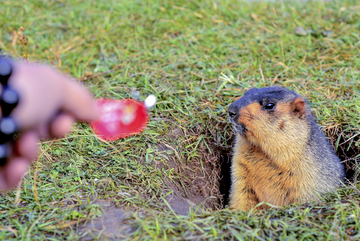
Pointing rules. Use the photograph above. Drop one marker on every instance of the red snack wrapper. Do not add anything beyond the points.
(119, 118)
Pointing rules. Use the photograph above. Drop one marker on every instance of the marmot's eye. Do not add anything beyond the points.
(269, 106)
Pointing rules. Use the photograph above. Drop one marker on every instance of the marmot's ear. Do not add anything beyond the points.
(297, 107)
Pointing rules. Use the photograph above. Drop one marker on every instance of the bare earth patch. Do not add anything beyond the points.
(109, 226)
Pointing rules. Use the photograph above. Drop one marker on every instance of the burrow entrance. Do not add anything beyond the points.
(347, 146)
(206, 179)
(201, 177)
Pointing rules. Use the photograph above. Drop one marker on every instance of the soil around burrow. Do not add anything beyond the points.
(110, 226)
(344, 144)
(201, 182)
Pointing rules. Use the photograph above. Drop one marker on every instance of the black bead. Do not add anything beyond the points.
(9, 100)
(5, 152)
(8, 129)
(5, 71)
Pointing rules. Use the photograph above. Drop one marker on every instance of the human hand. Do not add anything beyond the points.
(50, 103)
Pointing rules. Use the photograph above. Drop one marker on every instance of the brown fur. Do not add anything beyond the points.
(273, 158)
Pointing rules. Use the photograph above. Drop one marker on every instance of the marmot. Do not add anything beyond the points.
(280, 156)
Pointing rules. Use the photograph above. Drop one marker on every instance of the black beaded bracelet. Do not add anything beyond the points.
(8, 101)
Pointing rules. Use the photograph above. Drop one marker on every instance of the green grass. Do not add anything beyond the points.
(196, 57)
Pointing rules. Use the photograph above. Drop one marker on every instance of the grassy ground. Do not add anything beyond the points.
(197, 57)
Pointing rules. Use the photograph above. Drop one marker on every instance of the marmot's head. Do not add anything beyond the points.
(271, 117)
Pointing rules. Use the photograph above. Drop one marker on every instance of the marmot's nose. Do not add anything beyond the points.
(233, 111)
(232, 114)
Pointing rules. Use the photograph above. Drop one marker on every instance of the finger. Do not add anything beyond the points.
(40, 92)
(27, 145)
(61, 125)
(12, 173)
(79, 103)
(3, 183)
(44, 92)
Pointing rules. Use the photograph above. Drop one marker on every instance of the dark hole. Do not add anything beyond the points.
(350, 174)
(225, 175)
(348, 153)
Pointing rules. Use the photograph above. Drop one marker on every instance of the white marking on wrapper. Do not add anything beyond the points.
(150, 101)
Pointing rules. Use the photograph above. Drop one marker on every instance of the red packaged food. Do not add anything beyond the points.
(121, 118)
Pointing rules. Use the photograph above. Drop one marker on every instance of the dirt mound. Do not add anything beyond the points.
(201, 178)
(110, 226)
